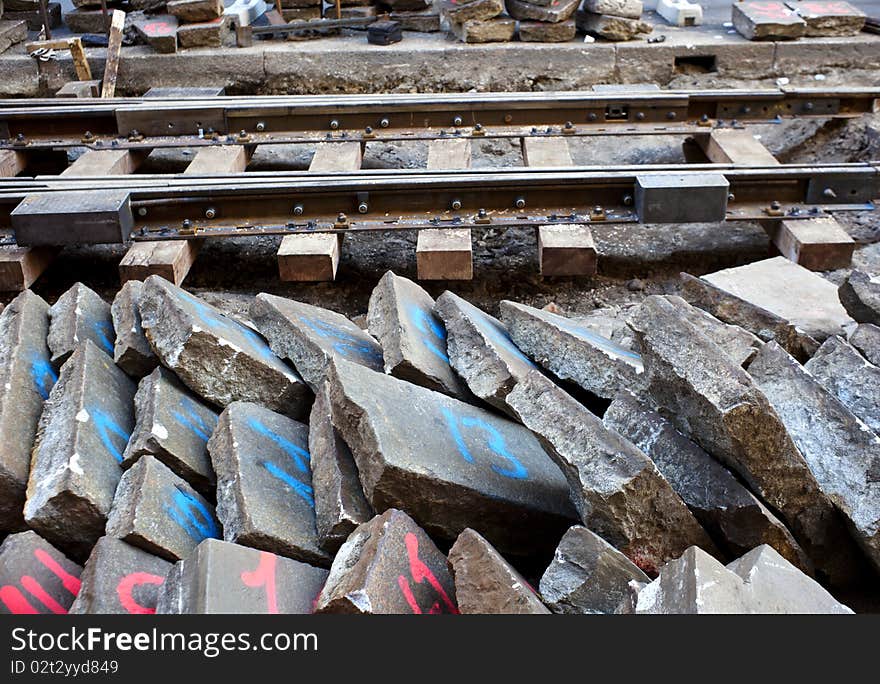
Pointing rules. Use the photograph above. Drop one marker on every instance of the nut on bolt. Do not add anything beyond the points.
(456, 204)
(210, 213)
(261, 126)
(520, 203)
(363, 208)
(384, 123)
(334, 125)
(298, 210)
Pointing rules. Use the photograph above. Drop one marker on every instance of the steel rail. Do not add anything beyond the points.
(182, 207)
(156, 122)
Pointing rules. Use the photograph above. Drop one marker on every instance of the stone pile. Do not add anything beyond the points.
(477, 21)
(544, 21)
(616, 20)
(442, 460)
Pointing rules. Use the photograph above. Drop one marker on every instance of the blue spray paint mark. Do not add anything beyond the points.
(431, 330)
(192, 515)
(494, 441)
(298, 455)
(107, 427)
(190, 418)
(345, 344)
(104, 331)
(43, 375)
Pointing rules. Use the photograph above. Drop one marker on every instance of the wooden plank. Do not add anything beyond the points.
(104, 163)
(735, 146)
(336, 156)
(563, 250)
(452, 153)
(80, 63)
(225, 159)
(12, 163)
(114, 46)
(819, 244)
(170, 259)
(445, 254)
(546, 152)
(21, 266)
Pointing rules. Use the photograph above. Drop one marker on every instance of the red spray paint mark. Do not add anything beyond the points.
(420, 573)
(126, 586)
(158, 28)
(70, 582)
(264, 576)
(36, 590)
(15, 601)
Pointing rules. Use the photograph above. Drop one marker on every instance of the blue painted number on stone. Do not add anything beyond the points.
(345, 344)
(192, 515)
(107, 429)
(492, 439)
(189, 417)
(298, 455)
(43, 375)
(433, 332)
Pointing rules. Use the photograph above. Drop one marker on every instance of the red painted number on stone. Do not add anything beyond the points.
(158, 28)
(126, 586)
(769, 10)
(419, 572)
(825, 8)
(16, 602)
(264, 576)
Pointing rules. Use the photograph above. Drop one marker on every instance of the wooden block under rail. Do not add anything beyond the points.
(450, 153)
(546, 152)
(735, 146)
(12, 163)
(105, 163)
(819, 244)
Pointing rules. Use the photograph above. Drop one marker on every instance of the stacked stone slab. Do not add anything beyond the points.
(544, 21)
(478, 21)
(413, 15)
(88, 17)
(201, 22)
(302, 10)
(616, 20)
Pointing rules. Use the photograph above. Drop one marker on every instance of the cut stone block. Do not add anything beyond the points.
(495, 30)
(760, 582)
(716, 403)
(458, 11)
(829, 17)
(159, 32)
(566, 250)
(340, 504)
(485, 583)
(131, 351)
(218, 358)
(82, 434)
(765, 20)
(733, 516)
(792, 292)
(819, 244)
(445, 254)
(588, 575)
(159, 512)
(558, 10)
(220, 578)
(860, 295)
(866, 338)
(631, 9)
(174, 426)
(611, 27)
(547, 32)
(308, 258)
(388, 566)
(26, 377)
(120, 579)
(401, 316)
(468, 467)
(196, 10)
(35, 577)
(573, 351)
(79, 315)
(311, 337)
(265, 497)
(203, 34)
(840, 449)
(427, 21)
(841, 370)
(12, 33)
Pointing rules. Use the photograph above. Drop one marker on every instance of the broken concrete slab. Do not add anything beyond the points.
(413, 340)
(120, 579)
(220, 577)
(829, 17)
(860, 295)
(587, 575)
(340, 504)
(734, 517)
(131, 350)
(35, 577)
(311, 337)
(617, 490)
(866, 338)
(557, 11)
(82, 434)
(733, 310)
(790, 291)
(218, 358)
(79, 314)
(465, 467)
(611, 27)
(485, 583)
(159, 512)
(174, 426)
(840, 449)
(265, 497)
(26, 377)
(573, 351)
(481, 351)
(388, 566)
(716, 403)
(841, 370)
